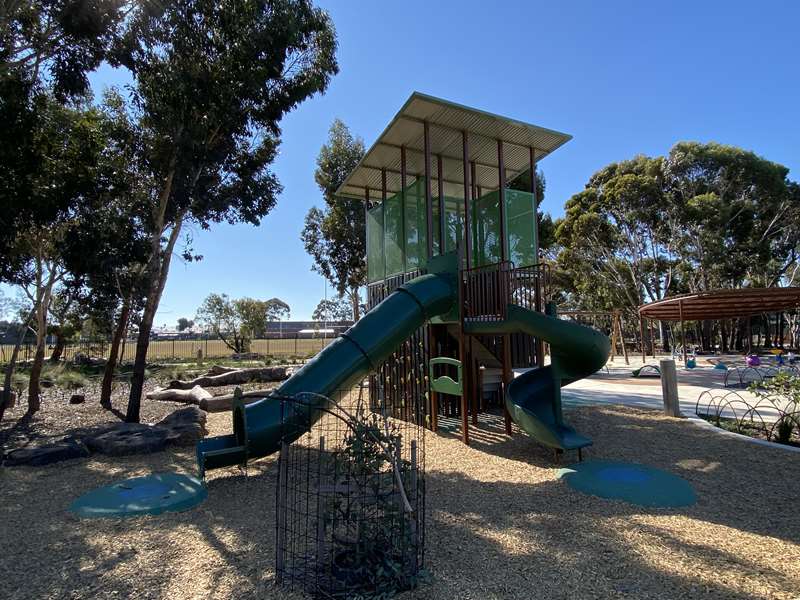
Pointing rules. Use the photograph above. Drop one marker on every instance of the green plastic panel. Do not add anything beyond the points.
(404, 220)
(521, 228)
(375, 265)
(393, 235)
(453, 211)
(416, 228)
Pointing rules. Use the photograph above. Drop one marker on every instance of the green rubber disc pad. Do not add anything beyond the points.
(631, 482)
(150, 495)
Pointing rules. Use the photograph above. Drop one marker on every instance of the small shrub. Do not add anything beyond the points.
(783, 391)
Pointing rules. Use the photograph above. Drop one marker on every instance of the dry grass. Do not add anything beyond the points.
(187, 349)
(500, 524)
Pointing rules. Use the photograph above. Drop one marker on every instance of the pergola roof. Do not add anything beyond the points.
(723, 304)
(447, 121)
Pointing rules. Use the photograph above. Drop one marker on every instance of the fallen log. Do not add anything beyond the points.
(237, 377)
(225, 401)
(219, 370)
(193, 396)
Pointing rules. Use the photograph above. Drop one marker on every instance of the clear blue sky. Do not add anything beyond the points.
(622, 77)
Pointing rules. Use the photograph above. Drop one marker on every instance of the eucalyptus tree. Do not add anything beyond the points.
(47, 48)
(738, 215)
(620, 232)
(334, 235)
(211, 83)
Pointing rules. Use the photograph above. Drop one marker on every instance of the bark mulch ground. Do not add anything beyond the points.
(500, 524)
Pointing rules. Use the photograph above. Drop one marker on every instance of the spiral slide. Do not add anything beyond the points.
(534, 398)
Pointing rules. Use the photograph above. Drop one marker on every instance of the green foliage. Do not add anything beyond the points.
(706, 216)
(334, 235)
(56, 40)
(184, 324)
(238, 321)
(333, 310)
(784, 389)
(373, 533)
(212, 82)
(47, 47)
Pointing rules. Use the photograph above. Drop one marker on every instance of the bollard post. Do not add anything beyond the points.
(669, 387)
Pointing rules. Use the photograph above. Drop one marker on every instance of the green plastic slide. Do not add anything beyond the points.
(259, 427)
(534, 398)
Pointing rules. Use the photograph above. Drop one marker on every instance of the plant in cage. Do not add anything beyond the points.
(371, 521)
(367, 531)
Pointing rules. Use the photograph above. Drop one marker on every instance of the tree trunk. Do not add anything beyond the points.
(158, 278)
(111, 364)
(707, 343)
(354, 302)
(34, 402)
(61, 343)
(12, 363)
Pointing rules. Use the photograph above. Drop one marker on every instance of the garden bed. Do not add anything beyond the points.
(751, 429)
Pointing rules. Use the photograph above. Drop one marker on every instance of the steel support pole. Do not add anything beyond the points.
(383, 219)
(426, 134)
(501, 198)
(442, 219)
(402, 206)
(532, 159)
(641, 337)
(366, 219)
(538, 304)
(467, 194)
(683, 330)
(466, 365)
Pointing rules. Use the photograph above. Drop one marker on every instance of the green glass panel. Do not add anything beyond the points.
(375, 264)
(486, 230)
(453, 223)
(521, 229)
(416, 244)
(393, 235)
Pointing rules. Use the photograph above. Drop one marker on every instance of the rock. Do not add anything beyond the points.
(184, 427)
(77, 399)
(128, 438)
(38, 456)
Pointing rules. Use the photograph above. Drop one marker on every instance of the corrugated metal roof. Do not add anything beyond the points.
(723, 304)
(446, 122)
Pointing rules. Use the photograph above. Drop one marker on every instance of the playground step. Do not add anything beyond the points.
(481, 352)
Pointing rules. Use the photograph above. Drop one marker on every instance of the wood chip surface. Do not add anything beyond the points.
(500, 524)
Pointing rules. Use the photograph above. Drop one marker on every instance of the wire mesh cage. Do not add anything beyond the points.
(351, 499)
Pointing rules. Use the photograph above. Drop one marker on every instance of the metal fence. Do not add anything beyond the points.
(179, 349)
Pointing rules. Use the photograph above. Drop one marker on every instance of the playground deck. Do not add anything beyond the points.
(501, 525)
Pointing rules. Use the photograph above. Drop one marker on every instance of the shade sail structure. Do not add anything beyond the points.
(446, 121)
(723, 304)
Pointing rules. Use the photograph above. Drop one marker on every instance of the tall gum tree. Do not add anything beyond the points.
(334, 235)
(212, 81)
